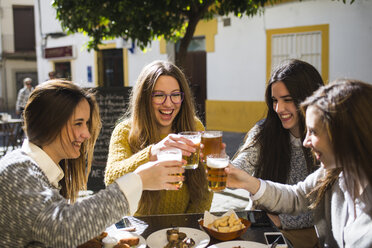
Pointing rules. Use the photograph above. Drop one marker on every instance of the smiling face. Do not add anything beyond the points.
(317, 138)
(284, 106)
(166, 113)
(74, 133)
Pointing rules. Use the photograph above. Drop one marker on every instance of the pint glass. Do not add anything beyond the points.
(216, 175)
(193, 159)
(171, 154)
(212, 141)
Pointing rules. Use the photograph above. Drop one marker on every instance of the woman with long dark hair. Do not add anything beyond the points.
(273, 150)
(339, 194)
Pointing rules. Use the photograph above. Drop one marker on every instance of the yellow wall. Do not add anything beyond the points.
(233, 116)
(203, 28)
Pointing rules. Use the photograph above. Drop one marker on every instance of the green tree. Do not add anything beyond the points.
(144, 21)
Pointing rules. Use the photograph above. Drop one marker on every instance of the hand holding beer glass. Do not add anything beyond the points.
(193, 159)
(171, 154)
(216, 175)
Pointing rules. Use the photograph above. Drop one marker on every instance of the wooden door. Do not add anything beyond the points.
(196, 73)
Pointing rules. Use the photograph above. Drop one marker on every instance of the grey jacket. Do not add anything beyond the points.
(330, 216)
(247, 161)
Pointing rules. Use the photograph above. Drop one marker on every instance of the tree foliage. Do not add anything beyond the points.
(146, 20)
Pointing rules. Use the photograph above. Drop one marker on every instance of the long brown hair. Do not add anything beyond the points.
(345, 107)
(144, 130)
(47, 112)
(301, 80)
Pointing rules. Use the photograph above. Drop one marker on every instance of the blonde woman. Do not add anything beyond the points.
(161, 106)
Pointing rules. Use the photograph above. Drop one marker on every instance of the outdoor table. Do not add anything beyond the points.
(146, 225)
(11, 132)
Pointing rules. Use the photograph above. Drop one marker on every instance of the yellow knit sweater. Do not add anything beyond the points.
(121, 160)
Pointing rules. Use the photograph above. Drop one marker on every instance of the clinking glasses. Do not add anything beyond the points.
(160, 98)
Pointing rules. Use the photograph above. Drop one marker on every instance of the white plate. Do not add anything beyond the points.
(158, 239)
(119, 234)
(241, 243)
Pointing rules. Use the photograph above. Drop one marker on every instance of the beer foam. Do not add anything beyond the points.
(217, 163)
(211, 135)
(170, 157)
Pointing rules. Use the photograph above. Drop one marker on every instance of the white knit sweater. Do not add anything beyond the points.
(333, 217)
(34, 214)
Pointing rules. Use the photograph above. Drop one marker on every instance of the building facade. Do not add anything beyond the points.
(17, 49)
(233, 56)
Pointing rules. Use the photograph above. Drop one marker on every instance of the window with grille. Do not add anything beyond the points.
(303, 46)
(308, 43)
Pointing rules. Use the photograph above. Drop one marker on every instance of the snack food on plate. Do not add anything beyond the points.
(129, 240)
(108, 241)
(177, 239)
(227, 223)
(95, 242)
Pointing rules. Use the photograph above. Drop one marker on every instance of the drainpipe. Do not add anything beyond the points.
(3, 67)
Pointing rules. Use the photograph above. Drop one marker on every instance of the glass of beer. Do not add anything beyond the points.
(212, 141)
(193, 159)
(216, 175)
(171, 154)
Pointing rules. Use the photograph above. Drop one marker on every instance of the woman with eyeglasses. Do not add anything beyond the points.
(161, 105)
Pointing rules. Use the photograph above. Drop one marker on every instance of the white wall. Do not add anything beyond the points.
(139, 59)
(81, 59)
(238, 61)
(350, 32)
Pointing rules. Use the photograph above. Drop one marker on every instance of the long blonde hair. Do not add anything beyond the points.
(144, 130)
(47, 112)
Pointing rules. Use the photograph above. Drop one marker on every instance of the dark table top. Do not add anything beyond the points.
(145, 225)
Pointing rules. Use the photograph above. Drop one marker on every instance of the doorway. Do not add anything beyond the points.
(63, 70)
(112, 60)
(196, 74)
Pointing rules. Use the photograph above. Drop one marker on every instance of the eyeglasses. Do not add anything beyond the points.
(160, 98)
